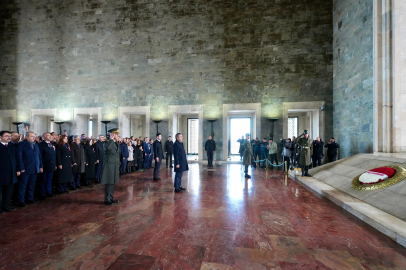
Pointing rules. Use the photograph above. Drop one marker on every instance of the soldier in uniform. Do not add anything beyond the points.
(305, 146)
(247, 154)
(111, 166)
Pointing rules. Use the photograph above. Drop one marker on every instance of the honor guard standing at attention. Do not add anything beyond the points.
(305, 145)
(111, 167)
(247, 155)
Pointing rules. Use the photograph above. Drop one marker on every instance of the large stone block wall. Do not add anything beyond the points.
(111, 53)
(353, 76)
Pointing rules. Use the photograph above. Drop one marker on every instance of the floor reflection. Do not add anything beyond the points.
(223, 221)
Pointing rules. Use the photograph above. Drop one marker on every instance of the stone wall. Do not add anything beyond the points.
(112, 53)
(353, 76)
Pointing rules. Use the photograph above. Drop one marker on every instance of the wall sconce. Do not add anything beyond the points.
(157, 122)
(211, 122)
(60, 125)
(105, 122)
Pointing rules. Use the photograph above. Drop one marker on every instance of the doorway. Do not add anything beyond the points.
(193, 136)
(239, 126)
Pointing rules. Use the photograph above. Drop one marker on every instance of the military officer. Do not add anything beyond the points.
(111, 166)
(305, 146)
(247, 154)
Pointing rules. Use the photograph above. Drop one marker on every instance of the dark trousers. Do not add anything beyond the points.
(156, 169)
(178, 180)
(169, 159)
(332, 158)
(305, 170)
(273, 158)
(287, 159)
(257, 155)
(99, 171)
(316, 161)
(246, 169)
(264, 156)
(130, 165)
(109, 192)
(76, 180)
(5, 195)
(27, 182)
(123, 165)
(147, 161)
(241, 156)
(62, 187)
(210, 158)
(45, 184)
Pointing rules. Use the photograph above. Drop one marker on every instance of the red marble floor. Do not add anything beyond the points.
(222, 222)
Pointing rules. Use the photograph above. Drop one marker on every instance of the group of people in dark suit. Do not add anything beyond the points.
(58, 163)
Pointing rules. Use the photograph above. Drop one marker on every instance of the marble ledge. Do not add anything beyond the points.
(384, 222)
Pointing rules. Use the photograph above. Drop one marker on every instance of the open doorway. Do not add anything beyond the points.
(239, 126)
(193, 136)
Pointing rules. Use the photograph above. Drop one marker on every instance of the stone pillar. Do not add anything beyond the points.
(389, 81)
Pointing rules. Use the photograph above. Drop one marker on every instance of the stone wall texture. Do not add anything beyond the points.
(353, 76)
(112, 53)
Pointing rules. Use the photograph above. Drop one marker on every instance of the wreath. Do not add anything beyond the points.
(379, 178)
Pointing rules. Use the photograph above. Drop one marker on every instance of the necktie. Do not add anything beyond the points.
(6, 145)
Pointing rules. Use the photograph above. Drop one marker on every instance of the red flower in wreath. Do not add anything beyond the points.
(376, 175)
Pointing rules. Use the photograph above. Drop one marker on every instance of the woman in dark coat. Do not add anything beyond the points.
(64, 164)
(90, 157)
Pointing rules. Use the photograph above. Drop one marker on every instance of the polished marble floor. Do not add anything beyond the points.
(222, 222)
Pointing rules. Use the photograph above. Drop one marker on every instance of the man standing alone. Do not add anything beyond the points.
(111, 168)
(168, 151)
(247, 155)
(158, 155)
(332, 147)
(210, 148)
(181, 165)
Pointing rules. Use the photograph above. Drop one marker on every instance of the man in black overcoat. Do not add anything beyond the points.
(210, 147)
(99, 151)
(79, 162)
(168, 151)
(332, 147)
(48, 154)
(181, 165)
(158, 155)
(9, 170)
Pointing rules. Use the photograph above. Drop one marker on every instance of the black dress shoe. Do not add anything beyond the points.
(32, 202)
(66, 191)
(108, 203)
(182, 188)
(8, 209)
(51, 195)
(248, 176)
(114, 201)
(307, 175)
(73, 189)
(21, 204)
(171, 166)
(156, 179)
(178, 190)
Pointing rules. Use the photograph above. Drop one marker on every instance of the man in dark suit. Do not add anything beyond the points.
(158, 155)
(124, 156)
(168, 151)
(317, 152)
(79, 162)
(31, 164)
(181, 165)
(332, 147)
(210, 147)
(48, 154)
(99, 151)
(9, 170)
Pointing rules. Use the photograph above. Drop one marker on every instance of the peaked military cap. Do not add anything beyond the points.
(114, 130)
(305, 131)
